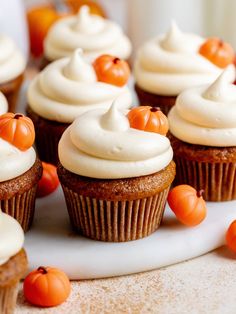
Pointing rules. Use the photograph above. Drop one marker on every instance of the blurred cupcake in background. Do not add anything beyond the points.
(171, 63)
(13, 262)
(92, 33)
(203, 137)
(20, 168)
(12, 67)
(68, 87)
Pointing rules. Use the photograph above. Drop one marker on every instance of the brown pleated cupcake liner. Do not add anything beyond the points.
(115, 221)
(148, 99)
(218, 180)
(21, 207)
(8, 297)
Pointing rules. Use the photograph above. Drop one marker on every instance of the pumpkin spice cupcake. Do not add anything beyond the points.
(203, 137)
(13, 262)
(92, 33)
(20, 168)
(69, 87)
(12, 67)
(167, 65)
(116, 183)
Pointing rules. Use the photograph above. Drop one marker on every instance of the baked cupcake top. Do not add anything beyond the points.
(12, 62)
(206, 115)
(3, 104)
(16, 152)
(12, 237)
(101, 144)
(94, 34)
(69, 87)
(171, 63)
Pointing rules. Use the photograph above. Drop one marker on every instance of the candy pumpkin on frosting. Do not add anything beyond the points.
(149, 119)
(218, 52)
(17, 130)
(112, 70)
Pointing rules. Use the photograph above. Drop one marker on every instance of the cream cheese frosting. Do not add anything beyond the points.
(206, 115)
(94, 34)
(169, 64)
(100, 144)
(14, 162)
(69, 87)
(12, 237)
(3, 104)
(12, 62)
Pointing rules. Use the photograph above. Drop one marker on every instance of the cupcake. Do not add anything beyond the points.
(203, 137)
(94, 34)
(115, 178)
(20, 168)
(167, 65)
(61, 92)
(3, 104)
(13, 262)
(12, 66)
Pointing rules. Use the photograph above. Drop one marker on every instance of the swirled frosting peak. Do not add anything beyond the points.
(101, 144)
(206, 115)
(69, 87)
(94, 34)
(3, 104)
(12, 62)
(12, 237)
(171, 63)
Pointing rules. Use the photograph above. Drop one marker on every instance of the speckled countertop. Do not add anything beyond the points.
(204, 285)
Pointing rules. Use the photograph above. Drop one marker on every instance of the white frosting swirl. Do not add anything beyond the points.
(171, 63)
(12, 237)
(206, 115)
(68, 87)
(14, 162)
(101, 144)
(94, 34)
(12, 62)
(3, 104)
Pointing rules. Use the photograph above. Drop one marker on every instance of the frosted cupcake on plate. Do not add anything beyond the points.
(94, 34)
(12, 67)
(13, 262)
(66, 89)
(20, 168)
(167, 65)
(115, 178)
(203, 136)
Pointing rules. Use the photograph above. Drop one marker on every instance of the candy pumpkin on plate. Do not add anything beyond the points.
(49, 181)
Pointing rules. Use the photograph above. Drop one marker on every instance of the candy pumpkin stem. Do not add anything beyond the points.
(155, 109)
(43, 270)
(116, 60)
(18, 116)
(200, 193)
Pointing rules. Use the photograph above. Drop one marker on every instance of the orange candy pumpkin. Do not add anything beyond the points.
(112, 70)
(231, 236)
(47, 287)
(149, 119)
(17, 129)
(94, 7)
(49, 181)
(187, 204)
(218, 52)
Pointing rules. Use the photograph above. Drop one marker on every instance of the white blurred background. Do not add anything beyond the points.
(141, 19)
